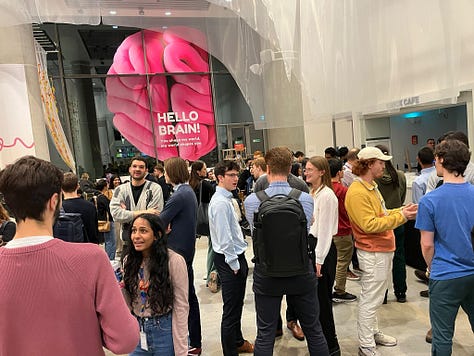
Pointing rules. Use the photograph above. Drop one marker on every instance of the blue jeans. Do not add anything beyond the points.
(110, 245)
(159, 336)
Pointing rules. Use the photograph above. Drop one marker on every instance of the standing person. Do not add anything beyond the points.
(425, 158)
(73, 203)
(229, 247)
(323, 228)
(114, 182)
(135, 198)
(156, 289)
(259, 170)
(343, 238)
(347, 179)
(7, 227)
(65, 296)
(300, 290)
(446, 221)
(372, 224)
(393, 187)
(103, 213)
(159, 173)
(179, 215)
(204, 191)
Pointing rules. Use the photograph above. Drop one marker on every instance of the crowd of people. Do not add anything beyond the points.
(310, 218)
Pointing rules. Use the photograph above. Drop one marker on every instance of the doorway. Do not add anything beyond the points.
(242, 140)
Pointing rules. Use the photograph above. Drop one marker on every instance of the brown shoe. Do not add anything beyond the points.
(429, 336)
(296, 330)
(246, 348)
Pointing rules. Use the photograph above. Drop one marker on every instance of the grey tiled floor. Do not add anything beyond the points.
(408, 322)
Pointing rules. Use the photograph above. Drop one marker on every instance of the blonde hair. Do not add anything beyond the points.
(322, 164)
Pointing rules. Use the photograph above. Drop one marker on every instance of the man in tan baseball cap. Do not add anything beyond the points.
(372, 225)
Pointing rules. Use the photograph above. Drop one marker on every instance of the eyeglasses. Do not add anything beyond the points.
(232, 175)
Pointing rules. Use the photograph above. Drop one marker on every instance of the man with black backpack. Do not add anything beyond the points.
(280, 220)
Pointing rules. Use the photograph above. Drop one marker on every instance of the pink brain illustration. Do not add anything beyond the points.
(175, 115)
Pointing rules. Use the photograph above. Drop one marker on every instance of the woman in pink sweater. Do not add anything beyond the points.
(156, 289)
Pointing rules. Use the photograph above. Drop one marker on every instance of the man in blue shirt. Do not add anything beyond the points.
(300, 291)
(229, 246)
(445, 221)
(425, 158)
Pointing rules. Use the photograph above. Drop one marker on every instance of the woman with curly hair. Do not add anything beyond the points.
(156, 289)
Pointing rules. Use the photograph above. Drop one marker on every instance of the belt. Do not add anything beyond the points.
(147, 318)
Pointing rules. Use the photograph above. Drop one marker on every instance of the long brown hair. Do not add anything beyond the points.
(3, 214)
(195, 178)
(322, 164)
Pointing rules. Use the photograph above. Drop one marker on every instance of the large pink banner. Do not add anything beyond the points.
(180, 108)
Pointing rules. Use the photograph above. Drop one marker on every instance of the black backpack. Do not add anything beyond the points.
(280, 236)
(69, 227)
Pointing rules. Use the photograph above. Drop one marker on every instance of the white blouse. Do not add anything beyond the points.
(325, 223)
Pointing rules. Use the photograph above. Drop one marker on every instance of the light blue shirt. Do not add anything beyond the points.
(252, 202)
(226, 234)
(418, 188)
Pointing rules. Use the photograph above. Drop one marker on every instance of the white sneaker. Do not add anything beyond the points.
(368, 351)
(384, 340)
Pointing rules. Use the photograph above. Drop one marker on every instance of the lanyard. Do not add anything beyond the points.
(143, 286)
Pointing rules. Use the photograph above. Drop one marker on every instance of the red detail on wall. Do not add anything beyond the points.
(414, 140)
(15, 141)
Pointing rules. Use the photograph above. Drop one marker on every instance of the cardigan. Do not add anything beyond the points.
(372, 224)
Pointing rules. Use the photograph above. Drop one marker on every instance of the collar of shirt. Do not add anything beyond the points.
(427, 170)
(367, 185)
(176, 187)
(279, 184)
(28, 241)
(224, 192)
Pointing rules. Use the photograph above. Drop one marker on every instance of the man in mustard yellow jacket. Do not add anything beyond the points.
(372, 226)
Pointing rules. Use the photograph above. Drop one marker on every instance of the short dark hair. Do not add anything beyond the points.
(331, 151)
(458, 135)
(279, 160)
(225, 166)
(426, 155)
(335, 166)
(159, 167)
(177, 170)
(28, 184)
(70, 183)
(455, 155)
(101, 184)
(139, 158)
(343, 151)
(298, 154)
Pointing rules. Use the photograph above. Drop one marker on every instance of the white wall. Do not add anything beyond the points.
(431, 124)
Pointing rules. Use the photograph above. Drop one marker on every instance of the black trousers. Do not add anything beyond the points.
(194, 318)
(233, 294)
(306, 308)
(325, 285)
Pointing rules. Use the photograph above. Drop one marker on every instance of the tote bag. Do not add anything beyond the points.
(202, 226)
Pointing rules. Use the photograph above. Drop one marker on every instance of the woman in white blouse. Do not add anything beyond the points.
(324, 227)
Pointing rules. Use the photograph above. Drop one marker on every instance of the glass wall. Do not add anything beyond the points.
(123, 92)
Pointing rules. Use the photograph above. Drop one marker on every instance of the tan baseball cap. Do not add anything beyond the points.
(373, 152)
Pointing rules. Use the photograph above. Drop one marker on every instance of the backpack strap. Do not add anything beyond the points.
(295, 194)
(262, 196)
(149, 194)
